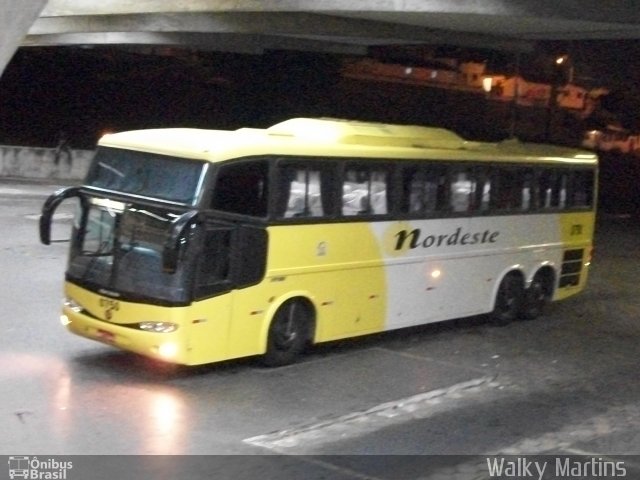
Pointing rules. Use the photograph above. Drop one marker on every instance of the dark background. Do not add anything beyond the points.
(87, 91)
(82, 93)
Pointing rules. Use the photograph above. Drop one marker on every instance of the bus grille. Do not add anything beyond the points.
(571, 268)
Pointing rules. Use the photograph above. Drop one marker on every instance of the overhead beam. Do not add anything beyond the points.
(525, 28)
(327, 28)
(281, 23)
(225, 42)
(624, 12)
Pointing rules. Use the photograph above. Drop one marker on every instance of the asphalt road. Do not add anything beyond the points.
(565, 384)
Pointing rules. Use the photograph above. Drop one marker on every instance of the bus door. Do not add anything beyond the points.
(231, 257)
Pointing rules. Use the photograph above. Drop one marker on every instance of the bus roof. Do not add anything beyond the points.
(336, 137)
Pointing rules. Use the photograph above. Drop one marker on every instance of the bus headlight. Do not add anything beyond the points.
(168, 350)
(158, 327)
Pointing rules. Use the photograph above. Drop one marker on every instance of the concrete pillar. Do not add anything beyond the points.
(16, 17)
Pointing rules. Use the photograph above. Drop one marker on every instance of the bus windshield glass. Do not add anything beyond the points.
(118, 248)
(146, 174)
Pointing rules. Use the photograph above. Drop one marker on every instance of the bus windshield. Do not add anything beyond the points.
(146, 174)
(117, 248)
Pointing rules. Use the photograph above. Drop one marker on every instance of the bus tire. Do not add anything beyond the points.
(508, 300)
(289, 333)
(538, 295)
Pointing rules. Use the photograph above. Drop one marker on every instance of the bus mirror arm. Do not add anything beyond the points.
(50, 206)
(172, 245)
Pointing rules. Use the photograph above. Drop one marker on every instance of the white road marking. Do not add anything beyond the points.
(559, 443)
(56, 216)
(39, 191)
(12, 191)
(617, 419)
(356, 423)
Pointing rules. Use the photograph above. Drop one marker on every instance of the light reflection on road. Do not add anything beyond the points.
(45, 399)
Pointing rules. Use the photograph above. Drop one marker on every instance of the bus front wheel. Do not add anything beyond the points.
(289, 333)
(508, 300)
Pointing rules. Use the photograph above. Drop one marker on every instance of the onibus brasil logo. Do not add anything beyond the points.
(38, 469)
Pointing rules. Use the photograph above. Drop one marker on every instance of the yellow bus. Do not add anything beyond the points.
(197, 246)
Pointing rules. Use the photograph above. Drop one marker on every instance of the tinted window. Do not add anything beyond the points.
(469, 190)
(582, 185)
(242, 188)
(512, 189)
(424, 189)
(552, 189)
(224, 263)
(214, 264)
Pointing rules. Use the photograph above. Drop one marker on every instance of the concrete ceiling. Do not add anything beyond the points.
(15, 20)
(251, 26)
(336, 26)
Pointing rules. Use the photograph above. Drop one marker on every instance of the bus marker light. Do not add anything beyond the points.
(71, 304)
(158, 327)
(436, 273)
(106, 336)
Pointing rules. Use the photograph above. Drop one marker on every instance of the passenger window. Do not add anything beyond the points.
(364, 191)
(512, 189)
(582, 184)
(470, 190)
(304, 191)
(552, 189)
(242, 188)
(424, 190)
(482, 200)
(462, 190)
(526, 190)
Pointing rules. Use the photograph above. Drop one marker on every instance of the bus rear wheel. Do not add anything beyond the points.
(289, 333)
(508, 300)
(537, 296)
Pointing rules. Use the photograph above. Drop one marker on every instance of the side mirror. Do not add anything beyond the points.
(49, 208)
(171, 248)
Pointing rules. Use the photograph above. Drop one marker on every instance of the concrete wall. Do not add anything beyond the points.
(41, 163)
